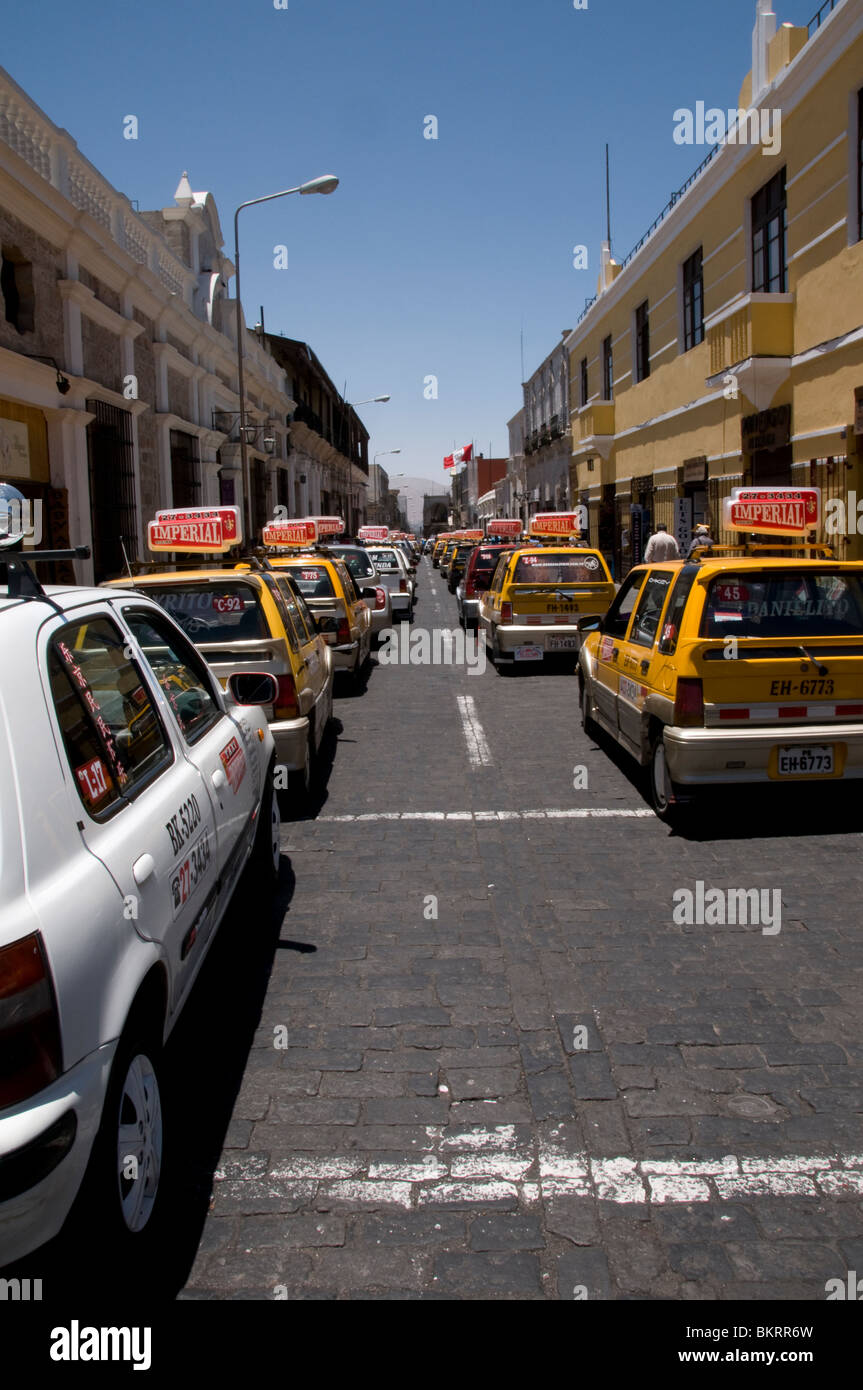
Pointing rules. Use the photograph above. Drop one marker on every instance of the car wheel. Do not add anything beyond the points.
(120, 1197)
(300, 782)
(266, 853)
(662, 790)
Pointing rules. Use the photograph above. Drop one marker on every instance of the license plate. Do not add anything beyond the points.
(562, 644)
(806, 762)
(528, 653)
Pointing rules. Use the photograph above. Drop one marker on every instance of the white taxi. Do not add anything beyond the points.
(133, 793)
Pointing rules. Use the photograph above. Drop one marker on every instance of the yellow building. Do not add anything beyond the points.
(727, 349)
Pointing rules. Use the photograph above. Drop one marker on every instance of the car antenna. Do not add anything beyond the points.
(126, 558)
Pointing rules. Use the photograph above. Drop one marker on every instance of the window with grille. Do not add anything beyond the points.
(259, 493)
(112, 489)
(770, 237)
(642, 342)
(607, 370)
(693, 300)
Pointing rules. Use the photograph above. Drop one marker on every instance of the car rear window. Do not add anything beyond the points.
(784, 603)
(227, 611)
(385, 561)
(580, 568)
(358, 563)
(313, 581)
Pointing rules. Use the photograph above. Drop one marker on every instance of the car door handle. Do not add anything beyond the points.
(302, 666)
(143, 868)
(218, 779)
(645, 666)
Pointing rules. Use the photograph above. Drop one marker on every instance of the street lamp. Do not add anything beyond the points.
(326, 183)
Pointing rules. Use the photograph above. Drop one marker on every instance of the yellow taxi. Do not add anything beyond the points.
(437, 549)
(731, 668)
(326, 585)
(250, 619)
(538, 596)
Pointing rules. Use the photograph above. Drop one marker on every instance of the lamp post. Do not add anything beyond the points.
(326, 183)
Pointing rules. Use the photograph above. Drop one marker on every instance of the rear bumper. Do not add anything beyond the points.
(401, 603)
(344, 656)
(381, 618)
(290, 737)
(470, 611)
(33, 1212)
(511, 636)
(712, 756)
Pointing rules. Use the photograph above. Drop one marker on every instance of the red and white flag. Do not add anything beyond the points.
(463, 455)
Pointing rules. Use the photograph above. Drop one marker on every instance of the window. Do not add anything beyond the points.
(693, 300)
(583, 373)
(616, 620)
(785, 603)
(542, 568)
(313, 580)
(16, 283)
(607, 370)
(185, 485)
(642, 342)
(300, 616)
(646, 621)
(111, 732)
(180, 671)
(770, 237)
(674, 616)
(226, 611)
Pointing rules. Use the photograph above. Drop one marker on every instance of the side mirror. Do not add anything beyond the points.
(253, 688)
(590, 625)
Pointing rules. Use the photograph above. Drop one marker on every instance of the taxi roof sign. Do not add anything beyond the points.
(784, 511)
(504, 526)
(328, 525)
(558, 523)
(373, 533)
(277, 533)
(197, 529)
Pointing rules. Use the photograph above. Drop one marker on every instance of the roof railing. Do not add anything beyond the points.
(815, 22)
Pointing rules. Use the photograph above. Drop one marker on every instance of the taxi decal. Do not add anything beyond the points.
(95, 709)
(187, 875)
(631, 690)
(183, 823)
(606, 647)
(93, 779)
(234, 762)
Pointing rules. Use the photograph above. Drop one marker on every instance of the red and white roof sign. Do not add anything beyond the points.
(230, 517)
(373, 533)
(503, 526)
(328, 525)
(290, 533)
(785, 511)
(555, 524)
(194, 529)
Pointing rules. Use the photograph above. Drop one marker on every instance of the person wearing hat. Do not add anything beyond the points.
(700, 537)
(661, 546)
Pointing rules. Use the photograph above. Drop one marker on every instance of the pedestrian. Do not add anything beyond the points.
(700, 537)
(661, 546)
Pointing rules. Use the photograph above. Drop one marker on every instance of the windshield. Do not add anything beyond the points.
(385, 561)
(357, 561)
(579, 568)
(228, 611)
(785, 603)
(313, 581)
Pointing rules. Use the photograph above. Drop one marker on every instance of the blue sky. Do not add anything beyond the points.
(432, 255)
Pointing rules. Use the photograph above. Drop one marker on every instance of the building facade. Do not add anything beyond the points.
(546, 432)
(727, 349)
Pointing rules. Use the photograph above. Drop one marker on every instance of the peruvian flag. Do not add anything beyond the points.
(463, 455)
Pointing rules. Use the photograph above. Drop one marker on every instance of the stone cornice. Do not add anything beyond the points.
(93, 308)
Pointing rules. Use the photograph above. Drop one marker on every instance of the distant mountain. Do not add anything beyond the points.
(412, 491)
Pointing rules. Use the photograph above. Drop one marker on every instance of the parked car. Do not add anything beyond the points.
(338, 607)
(537, 597)
(365, 576)
(133, 794)
(393, 573)
(242, 616)
(476, 578)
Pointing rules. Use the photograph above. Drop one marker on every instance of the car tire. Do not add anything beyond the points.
(118, 1213)
(663, 792)
(300, 782)
(264, 859)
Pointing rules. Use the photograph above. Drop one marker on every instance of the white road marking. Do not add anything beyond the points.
(572, 813)
(485, 1165)
(478, 751)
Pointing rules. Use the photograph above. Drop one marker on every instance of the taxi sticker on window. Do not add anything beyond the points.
(227, 603)
(606, 647)
(190, 873)
(731, 593)
(234, 762)
(93, 781)
(309, 575)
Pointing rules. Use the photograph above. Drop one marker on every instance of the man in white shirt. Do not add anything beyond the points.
(661, 546)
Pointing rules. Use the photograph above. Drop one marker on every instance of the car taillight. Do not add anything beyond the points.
(286, 705)
(343, 632)
(689, 704)
(403, 586)
(506, 612)
(30, 1053)
(380, 599)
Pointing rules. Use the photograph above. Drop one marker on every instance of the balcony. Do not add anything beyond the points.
(593, 429)
(756, 328)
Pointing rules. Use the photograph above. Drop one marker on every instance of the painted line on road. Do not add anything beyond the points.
(479, 1165)
(478, 751)
(572, 813)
